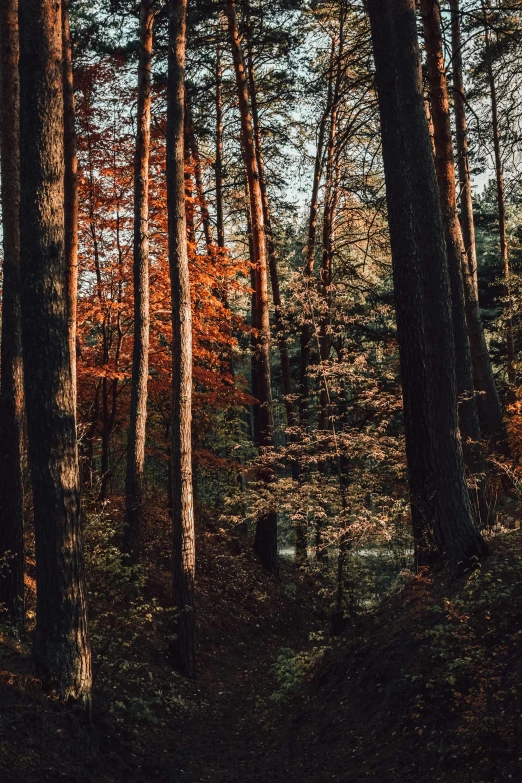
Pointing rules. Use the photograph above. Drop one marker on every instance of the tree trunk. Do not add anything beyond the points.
(286, 376)
(140, 356)
(461, 126)
(198, 175)
(422, 295)
(488, 402)
(61, 647)
(445, 171)
(184, 561)
(501, 201)
(70, 185)
(266, 532)
(11, 389)
(220, 220)
(307, 329)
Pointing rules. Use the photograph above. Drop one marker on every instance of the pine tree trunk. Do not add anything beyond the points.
(501, 201)
(445, 170)
(198, 175)
(61, 647)
(11, 389)
(488, 402)
(70, 184)
(134, 488)
(284, 356)
(422, 295)
(307, 329)
(184, 561)
(266, 532)
(220, 220)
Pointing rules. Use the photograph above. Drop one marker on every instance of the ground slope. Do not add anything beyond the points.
(427, 688)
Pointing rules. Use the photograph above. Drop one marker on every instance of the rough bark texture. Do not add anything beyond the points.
(266, 532)
(501, 200)
(445, 170)
(70, 185)
(488, 402)
(61, 647)
(220, 220)
(422, 294)
(11, 389)
(140, 355)
(184, 561)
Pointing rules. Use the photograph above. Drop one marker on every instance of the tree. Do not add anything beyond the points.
(61, 646)
(183, 650)
(11, 389)
(444, 168)
(266, 532)
(422, 294)
(488, 403)
(140, 356)
(501, 200)
(70, 184)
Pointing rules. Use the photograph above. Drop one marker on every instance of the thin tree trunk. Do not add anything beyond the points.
(422, 295)
(445, 171)
(272, 257)
(501, 201)
(266, 531)
(220, 221)
(306, 329)
(461, 126)
(198, 176)
(184, 561)
(70, 184)
(11, 389)
(488, 402)
(61, 647)
(134, 488)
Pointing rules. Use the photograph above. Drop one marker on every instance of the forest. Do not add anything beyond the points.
(261, 391)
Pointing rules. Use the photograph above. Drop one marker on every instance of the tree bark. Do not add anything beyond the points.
(501, 200)
(266, 531)
(134, 488)
(272, 256)
(61, 648)
(198, 176)
(11, 388)
(466, 308)
(461, 127)
(445, 171)
(422, 295)
(184, 563)
(70, 185)
(220, 220)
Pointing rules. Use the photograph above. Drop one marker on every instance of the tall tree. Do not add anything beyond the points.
(184, 564)
(266, 532)
(444, 168)
(422, 293)
(220, 221)
(466, 311)
(11, 388)
(140, 355)
(61, 647)
(501, 198)
(70, 184)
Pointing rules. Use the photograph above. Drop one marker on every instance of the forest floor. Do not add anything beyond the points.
(427, 687)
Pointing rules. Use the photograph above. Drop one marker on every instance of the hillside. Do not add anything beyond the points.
(426, 687)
